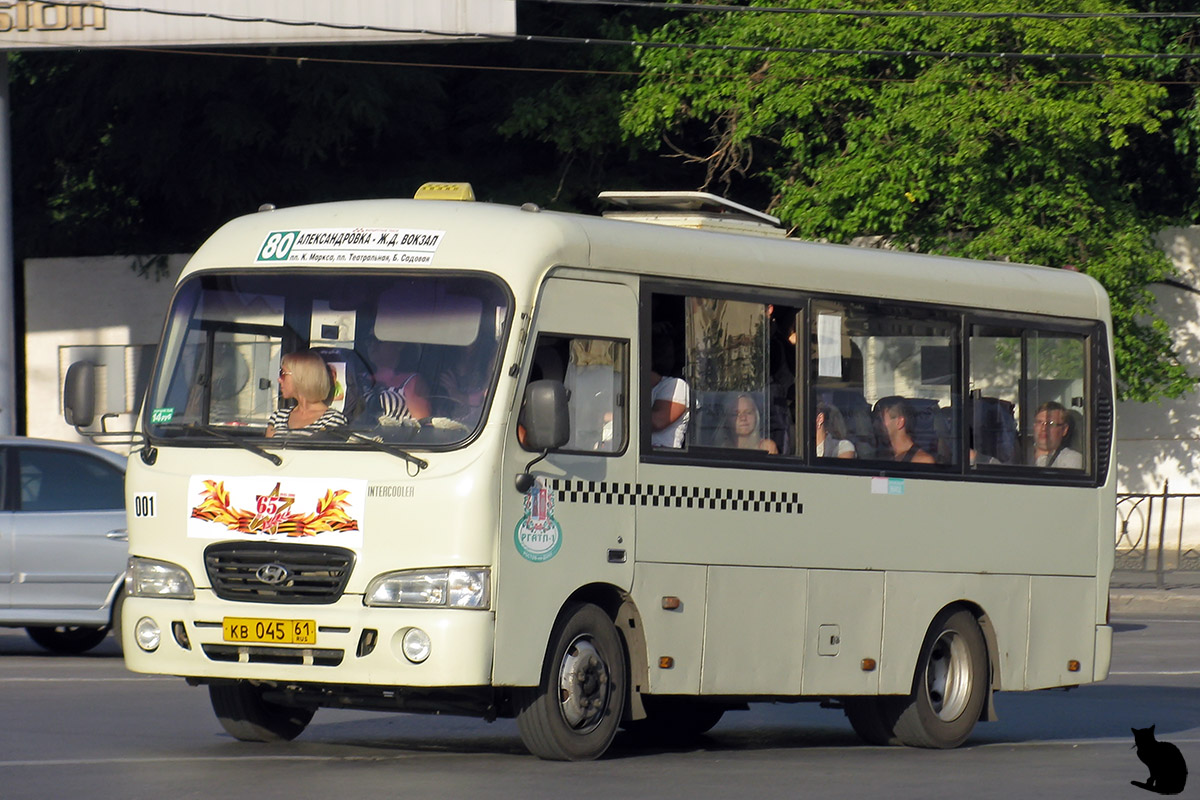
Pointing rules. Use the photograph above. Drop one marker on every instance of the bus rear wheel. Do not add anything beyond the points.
(248, 716)
(573, 714)
(950, 686)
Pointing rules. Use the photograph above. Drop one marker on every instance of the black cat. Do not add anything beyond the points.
(1168, 770)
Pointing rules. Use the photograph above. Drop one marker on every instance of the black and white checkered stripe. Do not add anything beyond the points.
(664, 496)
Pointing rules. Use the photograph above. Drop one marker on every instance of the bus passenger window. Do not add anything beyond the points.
(727, 347)
(886, 381)
(594, 372)
(1028, 396)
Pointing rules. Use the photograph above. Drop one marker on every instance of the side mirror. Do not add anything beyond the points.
(79, 394)
(546, 418)
(546, 421)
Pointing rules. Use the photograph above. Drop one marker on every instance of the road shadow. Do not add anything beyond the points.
(1087, 714)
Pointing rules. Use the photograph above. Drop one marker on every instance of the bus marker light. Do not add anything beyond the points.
(665, 662)
(1073, 666)
(671, 603)
(868, 665)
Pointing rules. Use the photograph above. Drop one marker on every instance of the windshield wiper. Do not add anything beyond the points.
(222, 435)
(391, 449)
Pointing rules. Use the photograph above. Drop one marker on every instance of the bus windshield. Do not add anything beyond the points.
(329, 360)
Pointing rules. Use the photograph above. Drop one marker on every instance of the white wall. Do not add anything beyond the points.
(72, 305)
(1161, 442)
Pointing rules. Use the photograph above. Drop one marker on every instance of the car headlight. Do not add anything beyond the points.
(150, 578)
(431, 588)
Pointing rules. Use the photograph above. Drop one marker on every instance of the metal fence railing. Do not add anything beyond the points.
(1158, 538)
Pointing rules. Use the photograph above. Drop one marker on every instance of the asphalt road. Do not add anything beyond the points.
(84, 727)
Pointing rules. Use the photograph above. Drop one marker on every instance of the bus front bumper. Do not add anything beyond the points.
(346, 643)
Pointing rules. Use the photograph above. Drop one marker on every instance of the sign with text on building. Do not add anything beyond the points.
(27, 24)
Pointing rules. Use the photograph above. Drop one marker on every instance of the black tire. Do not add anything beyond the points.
(114, 624)
(950, 686)
(67, 639)
(674, 720)
(573, 715)
(247, 716)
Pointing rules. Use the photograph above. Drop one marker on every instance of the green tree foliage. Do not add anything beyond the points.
(1029, 160)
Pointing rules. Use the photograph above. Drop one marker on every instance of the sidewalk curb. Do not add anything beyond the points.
(1154, 602)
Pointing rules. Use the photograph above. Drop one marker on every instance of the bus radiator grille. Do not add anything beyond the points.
(264, 572)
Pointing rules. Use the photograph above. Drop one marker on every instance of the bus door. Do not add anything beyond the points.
(574, 527)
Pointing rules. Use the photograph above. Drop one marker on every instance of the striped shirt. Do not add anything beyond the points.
(332, 418)
(392, 404)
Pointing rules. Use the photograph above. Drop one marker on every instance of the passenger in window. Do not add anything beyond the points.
(830, 434)
(669, 396)
(466, 381)
(400, 391)
(897, 418)
(304, 377)
(1052, 431)
(744, 426)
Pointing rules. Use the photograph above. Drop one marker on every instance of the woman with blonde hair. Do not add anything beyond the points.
(304, 377)
(744, 425)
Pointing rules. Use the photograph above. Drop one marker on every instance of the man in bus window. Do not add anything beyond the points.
(669, 397)
(1052, 430)
(897, 417)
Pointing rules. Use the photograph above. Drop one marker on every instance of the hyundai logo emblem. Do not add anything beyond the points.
(272, 574)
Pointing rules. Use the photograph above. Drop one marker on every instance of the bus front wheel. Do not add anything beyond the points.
(950, 686)
(248, 716)
(573, 714)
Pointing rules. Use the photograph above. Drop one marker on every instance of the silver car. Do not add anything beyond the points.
(63, 545)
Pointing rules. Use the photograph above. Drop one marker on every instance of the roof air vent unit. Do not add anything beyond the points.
(699, 210)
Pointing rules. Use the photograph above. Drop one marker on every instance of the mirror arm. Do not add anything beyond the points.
(524, 480)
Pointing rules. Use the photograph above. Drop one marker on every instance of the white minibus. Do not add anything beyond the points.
(622, 471)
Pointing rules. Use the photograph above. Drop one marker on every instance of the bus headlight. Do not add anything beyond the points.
(431, 588)
(150, 578)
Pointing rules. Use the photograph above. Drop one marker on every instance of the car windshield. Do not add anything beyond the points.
(329, 360)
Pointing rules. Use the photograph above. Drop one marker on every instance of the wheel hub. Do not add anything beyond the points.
(948, 676)
(583, 683)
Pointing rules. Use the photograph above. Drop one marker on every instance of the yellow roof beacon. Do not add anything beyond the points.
(435, 190)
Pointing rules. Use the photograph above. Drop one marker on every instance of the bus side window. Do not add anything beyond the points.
(729, 376)
(595, 374)
(1028, 396)
(901, 363)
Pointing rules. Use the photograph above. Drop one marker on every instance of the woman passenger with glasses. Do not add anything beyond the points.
(305, 378)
